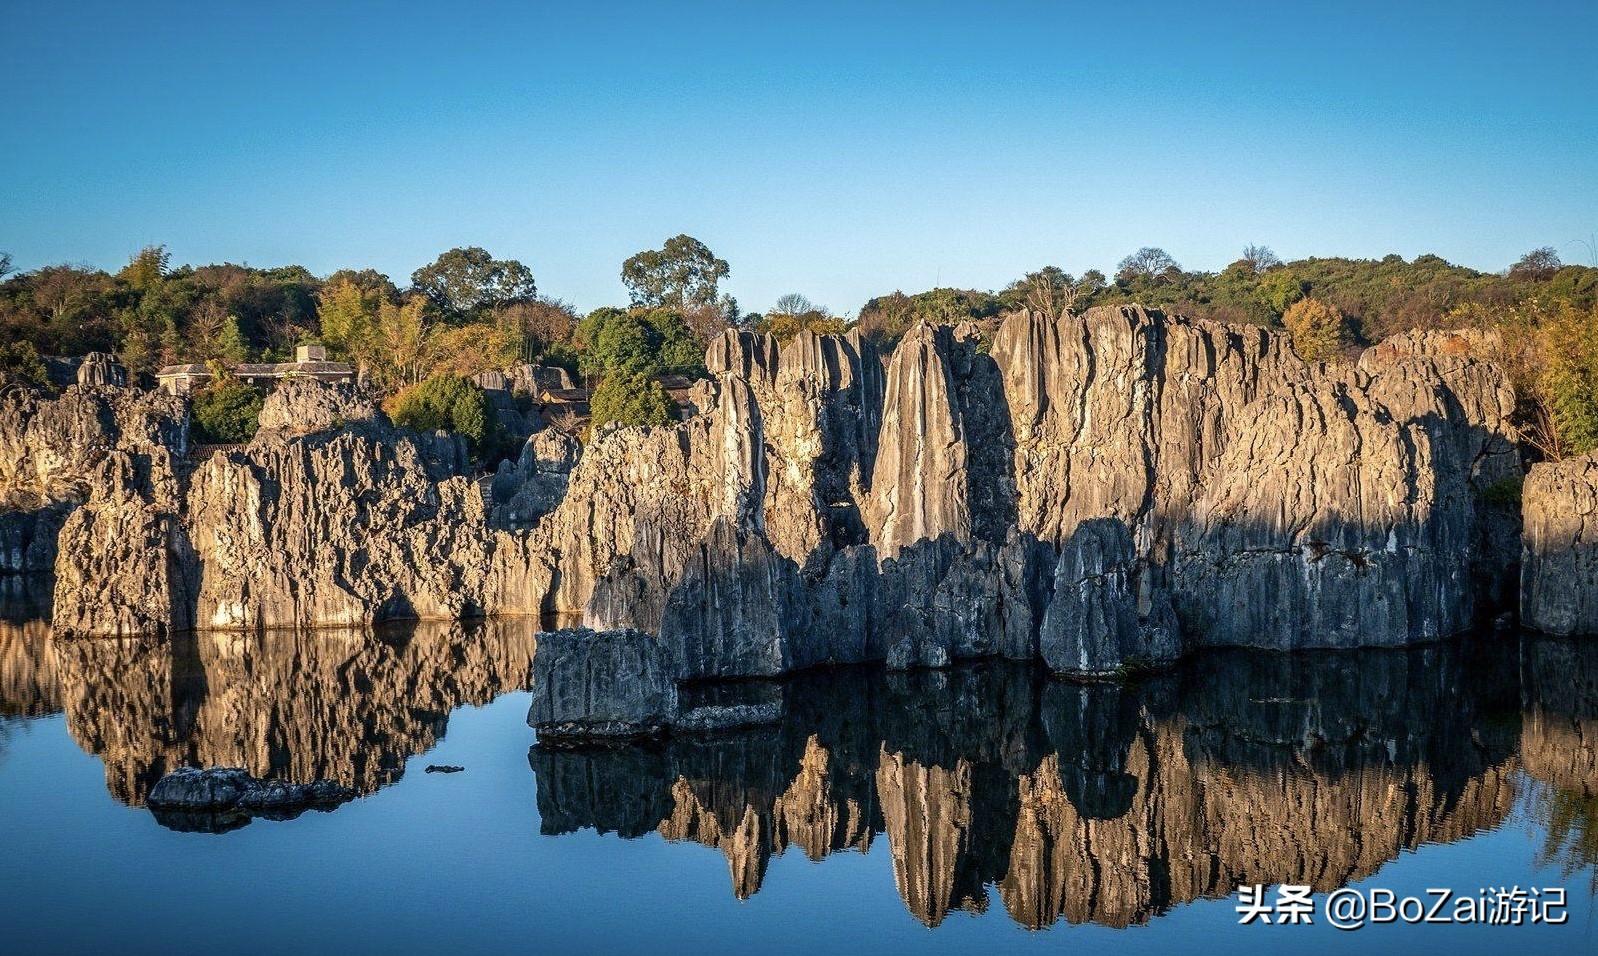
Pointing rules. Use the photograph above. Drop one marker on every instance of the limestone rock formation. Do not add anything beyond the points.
(1101, 489)
(99, 368)
(308, 525)
(304, 406)
(218, 789)
(526, 489)
(1559, 570)
(52, 448)
(611, 684)
(1105, 613)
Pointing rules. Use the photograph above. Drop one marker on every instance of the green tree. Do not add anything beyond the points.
(631, 399)
(1568, 384)
(683, 274)
(447, 403)
(641, 341)
(21, 360)
(1279, 289)
(226, 410)
(231, 344)
(463, 282)
(1150, 264)
(147, 268)
(1319, 331)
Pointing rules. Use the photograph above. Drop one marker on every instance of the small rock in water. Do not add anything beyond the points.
(443, 768)
(223, 798)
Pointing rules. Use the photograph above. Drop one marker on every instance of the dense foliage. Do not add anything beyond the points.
(468, 312)
(637, 341)
(631, 398)
(21, 361)
(447, 402)
(1318, 330)
(225, 411)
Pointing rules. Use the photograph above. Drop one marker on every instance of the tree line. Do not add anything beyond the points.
(468, 312)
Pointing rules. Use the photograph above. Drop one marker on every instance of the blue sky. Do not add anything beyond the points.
(834, 150)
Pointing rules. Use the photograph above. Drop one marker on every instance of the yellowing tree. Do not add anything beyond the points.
(348, 317)
(402, 352)
(1318, 329)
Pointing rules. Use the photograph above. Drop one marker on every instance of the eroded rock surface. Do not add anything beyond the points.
(1099, 490)
(51, 450)
(1559, 570)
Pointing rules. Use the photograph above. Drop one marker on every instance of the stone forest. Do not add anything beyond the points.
(1103, 493)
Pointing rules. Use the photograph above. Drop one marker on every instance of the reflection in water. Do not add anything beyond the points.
(347, 706)
(1092, 803)
(988, 784)
(1559, 748)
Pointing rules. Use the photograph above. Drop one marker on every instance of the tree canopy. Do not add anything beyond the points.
(464, 282)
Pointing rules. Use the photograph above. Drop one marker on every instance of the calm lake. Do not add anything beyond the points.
(984, 808)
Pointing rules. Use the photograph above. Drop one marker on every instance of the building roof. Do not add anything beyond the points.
(263, 368)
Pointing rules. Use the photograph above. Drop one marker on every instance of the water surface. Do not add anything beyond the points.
(981, 807)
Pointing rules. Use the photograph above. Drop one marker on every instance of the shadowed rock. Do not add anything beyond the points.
(1559, 570)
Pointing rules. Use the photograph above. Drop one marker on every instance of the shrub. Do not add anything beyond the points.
(632, 399)
(21, 360)
(447, 403)
(1504, 493)
(1319, 331)
(1568, 385)
(226, 411)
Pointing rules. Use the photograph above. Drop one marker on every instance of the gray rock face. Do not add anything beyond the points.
(1105, 612)
(98, 368)
(601, 684)
(1559, 570)
(1097, 490)
(52, 448)
(530, 487)
(335, 528)
(305, 406)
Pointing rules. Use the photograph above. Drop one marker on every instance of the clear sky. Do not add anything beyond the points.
(838, 150)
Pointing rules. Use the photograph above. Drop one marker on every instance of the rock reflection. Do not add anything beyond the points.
(1102, 804)
(346, 706)
(1559, 748)
(991, 785)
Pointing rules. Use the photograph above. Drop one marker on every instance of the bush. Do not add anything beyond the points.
(638, 341)
(1319, 331)
(1568, 384)
(632, 399)
(21, 360)
(447, 403)
(226, 411)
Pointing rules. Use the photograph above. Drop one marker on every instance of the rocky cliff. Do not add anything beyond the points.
(1098, 491)
(51, 448)
(329, 517)
(1559, 569)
